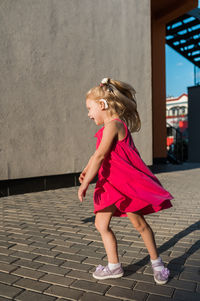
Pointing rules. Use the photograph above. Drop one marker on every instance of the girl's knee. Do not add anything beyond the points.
(141, 227)
(103, 218)
(97, 225)
(101, 227)
(138, 222)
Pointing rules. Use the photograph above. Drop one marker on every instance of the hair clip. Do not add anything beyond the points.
(105, 81)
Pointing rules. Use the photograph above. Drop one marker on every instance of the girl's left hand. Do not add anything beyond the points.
(82, 176)
(82, 191)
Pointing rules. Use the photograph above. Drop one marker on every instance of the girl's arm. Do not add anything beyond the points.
(83, 173)
(109, 133)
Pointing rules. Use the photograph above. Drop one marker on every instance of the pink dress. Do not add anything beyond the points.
(126, 181)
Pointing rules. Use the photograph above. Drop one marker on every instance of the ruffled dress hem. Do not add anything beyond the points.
(108, 195)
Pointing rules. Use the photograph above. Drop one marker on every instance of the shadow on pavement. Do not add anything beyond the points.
(89, 219)
(176, 264)
(160, 168)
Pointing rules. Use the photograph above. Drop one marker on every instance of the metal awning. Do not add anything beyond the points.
(183, 35)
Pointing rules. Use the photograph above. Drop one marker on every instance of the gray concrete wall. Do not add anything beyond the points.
(52, 52)
(193, 123)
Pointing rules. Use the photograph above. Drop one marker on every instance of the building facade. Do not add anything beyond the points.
(177, 127)
(52, 52)
(177, 111)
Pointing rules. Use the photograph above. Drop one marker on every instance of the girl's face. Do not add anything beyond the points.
(94, 111)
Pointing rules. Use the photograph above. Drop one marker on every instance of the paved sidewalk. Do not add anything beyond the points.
(49, 246)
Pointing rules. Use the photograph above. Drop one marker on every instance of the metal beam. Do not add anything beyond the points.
(184, 47)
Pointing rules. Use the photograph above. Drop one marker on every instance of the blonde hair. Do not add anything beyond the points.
(120, 97)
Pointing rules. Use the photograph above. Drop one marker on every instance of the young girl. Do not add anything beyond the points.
(125, 186)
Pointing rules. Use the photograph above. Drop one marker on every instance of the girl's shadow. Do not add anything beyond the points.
(175, 265)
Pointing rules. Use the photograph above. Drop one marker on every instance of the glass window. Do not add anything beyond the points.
(173, 111)
(183, 110)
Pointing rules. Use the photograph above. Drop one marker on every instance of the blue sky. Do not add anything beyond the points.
(179, 72)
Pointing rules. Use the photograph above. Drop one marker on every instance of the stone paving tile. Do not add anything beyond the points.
(91, 254)
(24, 255)
(79, 241)
(71, 257)
(93, 297)
(7, 278)
(44, 252)
(153, 297)
(22, 248)
(54, 270)
(65, 292)
(191, 276)
(46, 246)
(5, 251)
(68, 250)
(39, 239)
(49, 260)
(90, 286)
(60, 242)
(155, 289)
(32, 296)
(8, 291)
(77, 266)
(181, 284)
(81, 275)
(185, 296)
(19, 241)
(49, 246)
(57, 280)
(121, 282)
(68, 235)
(6, 244)
(126, 294)
(32, 285)
(27, 264)
(27, 273)
(4, 267)
(140, 277)
(7, 259)
(94, 261)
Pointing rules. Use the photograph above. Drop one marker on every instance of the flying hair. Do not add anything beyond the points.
(120, 98)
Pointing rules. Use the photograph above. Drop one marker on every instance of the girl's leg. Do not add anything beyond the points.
(102, 222)
(146, 232)
(161, 273)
